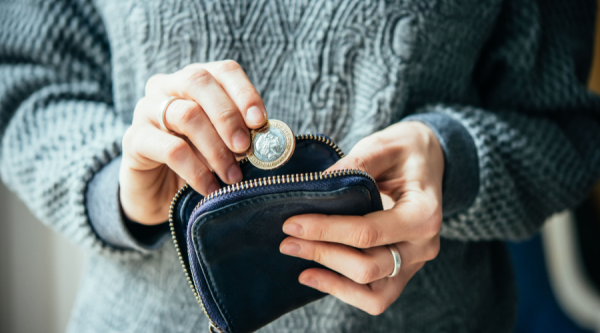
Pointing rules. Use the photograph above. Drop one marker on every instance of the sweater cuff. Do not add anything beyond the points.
(108, 220)
(461, 164)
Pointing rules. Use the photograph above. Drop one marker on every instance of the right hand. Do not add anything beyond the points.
(210, 123)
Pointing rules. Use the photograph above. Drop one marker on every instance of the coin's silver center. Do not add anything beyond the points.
(269, 146)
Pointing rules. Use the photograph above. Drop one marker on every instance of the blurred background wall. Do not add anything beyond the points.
(39, 271)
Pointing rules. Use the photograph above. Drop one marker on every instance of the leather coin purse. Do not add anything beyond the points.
(228, 242)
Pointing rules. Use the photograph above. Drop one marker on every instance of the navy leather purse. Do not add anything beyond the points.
(228, 242)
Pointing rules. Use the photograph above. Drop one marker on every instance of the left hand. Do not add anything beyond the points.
(407, 162)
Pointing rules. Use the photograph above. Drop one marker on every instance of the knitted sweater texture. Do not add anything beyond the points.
(511, 72)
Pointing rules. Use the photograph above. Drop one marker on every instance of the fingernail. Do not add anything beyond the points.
(255, 116)
(213, 188)
(293, 229)
(241, 141)
(290, 248)
(234, 174)
(313, 283)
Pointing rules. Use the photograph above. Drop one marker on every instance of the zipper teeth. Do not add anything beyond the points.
(185, 270)
(282, 179)
(319, 138)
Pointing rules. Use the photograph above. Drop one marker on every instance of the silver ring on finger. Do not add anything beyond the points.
(163, 113)
(397, 260)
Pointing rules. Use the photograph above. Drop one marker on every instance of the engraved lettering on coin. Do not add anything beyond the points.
(269, 146)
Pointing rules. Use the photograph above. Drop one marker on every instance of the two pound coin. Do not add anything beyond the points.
(272, 145)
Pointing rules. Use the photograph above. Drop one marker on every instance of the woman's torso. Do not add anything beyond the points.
(342, 68)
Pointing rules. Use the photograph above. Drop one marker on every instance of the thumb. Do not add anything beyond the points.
(367, 155)
(352, 161)
(371, 155)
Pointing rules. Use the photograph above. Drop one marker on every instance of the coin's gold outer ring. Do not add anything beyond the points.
(290, 146)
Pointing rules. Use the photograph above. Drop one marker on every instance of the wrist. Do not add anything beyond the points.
(106, 215)
(430, 149)
(143, 197)
(418, 139)
(460, 183)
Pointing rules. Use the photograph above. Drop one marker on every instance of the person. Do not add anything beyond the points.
(472, 116)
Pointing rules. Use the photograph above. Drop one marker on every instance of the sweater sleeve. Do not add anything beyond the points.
(108, 219)
(58, 126)
(537, 132)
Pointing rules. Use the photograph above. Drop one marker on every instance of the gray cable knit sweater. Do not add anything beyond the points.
(501, 82)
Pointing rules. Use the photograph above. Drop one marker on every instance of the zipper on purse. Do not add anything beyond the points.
(211, 325)
(282, 179)
(253, 183)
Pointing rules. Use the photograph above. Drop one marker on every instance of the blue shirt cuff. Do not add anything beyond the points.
(461, 164)
(108, 220)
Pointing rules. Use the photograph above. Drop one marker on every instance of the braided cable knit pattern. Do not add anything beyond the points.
(511, 72)
(57, 122)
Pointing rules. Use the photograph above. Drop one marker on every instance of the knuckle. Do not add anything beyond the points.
(374, 140)
(138, 111)
(247, 93)
(316, 231)
(186, 112)
(366, 236)
(198, 76)
(358, 162)
(197, 177)
(436, 214)
(139, 105)
(153, 83)
(315, 254)
(377, 308)
(128, 139)
(367, 273)
(375, 143)
(174, 148)
(247, 97)
(434, 222)
(433, 250)
(221, 153)
(229, 65)
(191, 67)
(226, 115)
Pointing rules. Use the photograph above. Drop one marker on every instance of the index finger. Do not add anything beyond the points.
(405, 222)
(199, 85)
(242, 92)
